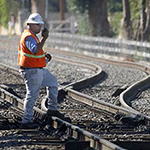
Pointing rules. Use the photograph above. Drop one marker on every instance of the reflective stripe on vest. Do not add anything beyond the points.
(32, 56)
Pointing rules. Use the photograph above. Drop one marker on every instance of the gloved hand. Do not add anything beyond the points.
(45, 33)
(48, 56)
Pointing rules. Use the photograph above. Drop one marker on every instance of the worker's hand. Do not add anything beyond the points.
(45, 33)
(48, 56)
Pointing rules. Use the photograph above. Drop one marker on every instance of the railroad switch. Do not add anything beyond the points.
(119, 90)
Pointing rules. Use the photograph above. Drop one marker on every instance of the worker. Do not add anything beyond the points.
(11, 24)
(32, 60)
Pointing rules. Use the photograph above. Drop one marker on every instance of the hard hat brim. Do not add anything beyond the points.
(35, 22)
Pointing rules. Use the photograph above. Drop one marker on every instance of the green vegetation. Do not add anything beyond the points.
(6, 7)
(80, 7)
(135, 6)
(54, 5)
(114, 6)
(84, 27)
(114, 16)
(3, 13)
(114, 21)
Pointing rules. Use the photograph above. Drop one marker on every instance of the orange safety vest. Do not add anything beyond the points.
(25, 57)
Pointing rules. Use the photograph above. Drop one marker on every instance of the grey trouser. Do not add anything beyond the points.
(34, 80)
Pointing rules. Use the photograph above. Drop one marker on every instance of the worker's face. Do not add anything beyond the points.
(36, 28)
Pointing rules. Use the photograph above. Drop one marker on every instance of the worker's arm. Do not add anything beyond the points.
(40, 45)
(45, 34)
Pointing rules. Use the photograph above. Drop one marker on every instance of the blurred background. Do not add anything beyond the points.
(123, 19)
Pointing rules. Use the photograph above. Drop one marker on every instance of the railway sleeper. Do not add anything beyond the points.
(58, 134)
(49, 129)
(62, 126)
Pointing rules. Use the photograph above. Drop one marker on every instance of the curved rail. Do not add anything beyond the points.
(72, 130)
(99, 74)
(125, 100)
(127, 96)
(130, 92)
(69, 89)
(104, 60)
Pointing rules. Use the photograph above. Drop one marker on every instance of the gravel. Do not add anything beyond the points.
(115, 77)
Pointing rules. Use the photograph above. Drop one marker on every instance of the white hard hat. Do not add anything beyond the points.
(35, 18)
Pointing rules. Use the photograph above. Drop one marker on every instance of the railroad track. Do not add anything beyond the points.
(72, 131)
(19, 104)
(78, 96)
(130, 92)
(70, 91)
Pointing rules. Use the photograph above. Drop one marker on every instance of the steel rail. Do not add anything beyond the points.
(124, 102)
(96, 103)
(130, 92)
(95, 141)
(104, 60)
(123, 99)
(72, 130)
(127, 96)
(93, 138)
(99, 74)
(13, 70)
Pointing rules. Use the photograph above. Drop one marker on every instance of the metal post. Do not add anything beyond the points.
(46, 10)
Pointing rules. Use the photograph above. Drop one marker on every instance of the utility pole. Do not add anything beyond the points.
(39, 6)
(46, 13)
(22, 15)
(61, 6)
(46, 10)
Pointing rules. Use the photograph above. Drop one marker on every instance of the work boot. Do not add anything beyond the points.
(55, 113)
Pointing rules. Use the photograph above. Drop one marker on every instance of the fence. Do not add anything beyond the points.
(63, 26)
(96, 46)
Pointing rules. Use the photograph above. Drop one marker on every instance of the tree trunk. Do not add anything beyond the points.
(98, 18)
(126, 31)
(144, 27)
(39, 6)
(147, 22)
(137, 33)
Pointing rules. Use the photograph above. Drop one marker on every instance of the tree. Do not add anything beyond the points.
(6, 8)
(95, 14)
(126, 31)
(3, 13)
(143, 29)
(98, 18)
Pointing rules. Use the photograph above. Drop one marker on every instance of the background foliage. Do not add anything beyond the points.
(114, 15)
(80, 8)
(3, 13)
(6, 8)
